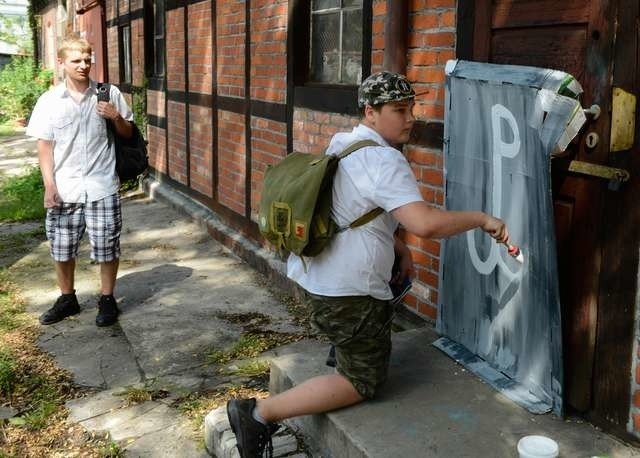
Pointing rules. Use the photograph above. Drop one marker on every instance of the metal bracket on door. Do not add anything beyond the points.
(615, 176)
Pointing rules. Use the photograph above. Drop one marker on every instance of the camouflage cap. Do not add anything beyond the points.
(384, 87)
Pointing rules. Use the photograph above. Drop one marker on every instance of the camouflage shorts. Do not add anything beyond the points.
(360, 329)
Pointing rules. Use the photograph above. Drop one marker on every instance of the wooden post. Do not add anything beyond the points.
(395, 36)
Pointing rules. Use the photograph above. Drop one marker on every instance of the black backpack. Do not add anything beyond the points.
(131, 153)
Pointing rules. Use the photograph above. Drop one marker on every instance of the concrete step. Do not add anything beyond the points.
(430, 406)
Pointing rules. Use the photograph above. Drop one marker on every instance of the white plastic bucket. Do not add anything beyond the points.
(537, 447)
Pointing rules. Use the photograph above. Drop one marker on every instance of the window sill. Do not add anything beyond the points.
(332, 99)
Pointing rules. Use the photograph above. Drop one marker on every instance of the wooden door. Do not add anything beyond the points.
(576, 37)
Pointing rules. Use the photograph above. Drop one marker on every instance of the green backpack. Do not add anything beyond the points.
(295, 209)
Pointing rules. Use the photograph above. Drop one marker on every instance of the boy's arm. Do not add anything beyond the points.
(425, 221)
(45, 158)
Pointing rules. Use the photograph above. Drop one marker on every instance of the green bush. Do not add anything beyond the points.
(21, 83)
(22, 197)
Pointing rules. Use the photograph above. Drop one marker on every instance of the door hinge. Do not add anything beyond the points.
(614, 175)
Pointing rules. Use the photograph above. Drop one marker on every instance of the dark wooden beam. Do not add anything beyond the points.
(395, 36)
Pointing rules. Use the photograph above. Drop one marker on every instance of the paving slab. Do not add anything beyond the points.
(430, 406)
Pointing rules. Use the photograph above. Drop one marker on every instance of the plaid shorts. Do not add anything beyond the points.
(360, 329)
(65, 227)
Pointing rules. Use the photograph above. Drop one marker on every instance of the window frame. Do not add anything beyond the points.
(334, 98)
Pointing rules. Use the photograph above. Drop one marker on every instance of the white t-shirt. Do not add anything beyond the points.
(358, 261)
(83, 158)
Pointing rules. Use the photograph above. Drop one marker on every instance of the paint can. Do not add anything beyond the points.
(537, 447)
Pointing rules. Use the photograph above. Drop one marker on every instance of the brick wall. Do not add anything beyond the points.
(137, 52)
(230, 24)
(231, 161)
(113, 65)
(431, 42)
(312, 130)
(377, 35)
(269, 50)
(177, 141)
(157, 148)
(200, 145)
(268, 146)
(174, 45)
(200, 47)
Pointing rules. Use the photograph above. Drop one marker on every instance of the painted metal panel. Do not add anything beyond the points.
(502, 124)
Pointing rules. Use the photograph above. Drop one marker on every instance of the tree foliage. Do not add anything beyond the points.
(21, 83)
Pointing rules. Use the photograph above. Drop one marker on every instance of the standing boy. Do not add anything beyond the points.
(348, 283)
(77, 162)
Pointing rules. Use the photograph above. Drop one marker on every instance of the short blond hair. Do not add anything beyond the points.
(73, 43)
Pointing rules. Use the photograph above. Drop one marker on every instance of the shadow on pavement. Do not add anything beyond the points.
(134, 288)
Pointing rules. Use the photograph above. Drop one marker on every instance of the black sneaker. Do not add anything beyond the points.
(252, 436)
(107, 311)
(66, 305)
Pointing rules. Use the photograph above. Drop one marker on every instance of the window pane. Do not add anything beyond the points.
(352, 47)
(158, 67)
(324, 4)
(348, 3)
(158, 18)
(325, 47)
(126, 54)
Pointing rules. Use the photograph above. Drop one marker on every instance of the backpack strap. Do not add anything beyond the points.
(355, 146)
(373, 214)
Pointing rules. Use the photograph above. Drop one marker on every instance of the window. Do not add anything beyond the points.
(330, 47)
(125, 55)
(336, 42)
(158, 37)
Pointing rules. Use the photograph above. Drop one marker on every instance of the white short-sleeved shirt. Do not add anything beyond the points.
(358, 261)
(83, 156)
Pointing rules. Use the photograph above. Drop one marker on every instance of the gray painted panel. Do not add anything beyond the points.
(498, 143)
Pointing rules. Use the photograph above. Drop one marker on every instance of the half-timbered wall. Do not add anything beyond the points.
(230, 103)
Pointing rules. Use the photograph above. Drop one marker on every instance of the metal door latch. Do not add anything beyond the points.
(614, 175)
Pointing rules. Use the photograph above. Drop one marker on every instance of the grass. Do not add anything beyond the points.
(111, 450)
(32, 384)
(255, 368)
(21, 197)
(6, 130)
(7, 372)
(250, 345)
(138, 394)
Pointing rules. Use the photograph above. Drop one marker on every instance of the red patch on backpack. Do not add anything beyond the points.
(300, 230)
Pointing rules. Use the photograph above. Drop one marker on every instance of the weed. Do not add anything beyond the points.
(11, 305)
(8, 374)
(21, 197)
(250, 345)
(112, 450)
(37, 418)
(137, 395)
(255, 368)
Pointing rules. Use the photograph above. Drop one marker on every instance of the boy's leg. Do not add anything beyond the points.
(108, 274)
(104, 222)
(319, 394)
(65, 226)
(65, 272)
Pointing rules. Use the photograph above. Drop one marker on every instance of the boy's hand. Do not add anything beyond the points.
(51, 197)
(405, 268)
(107, 110)
(496, 228)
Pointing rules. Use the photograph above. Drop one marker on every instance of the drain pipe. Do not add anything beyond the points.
(395, 36)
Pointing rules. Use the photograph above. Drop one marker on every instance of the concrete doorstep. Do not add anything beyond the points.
(429, 407)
